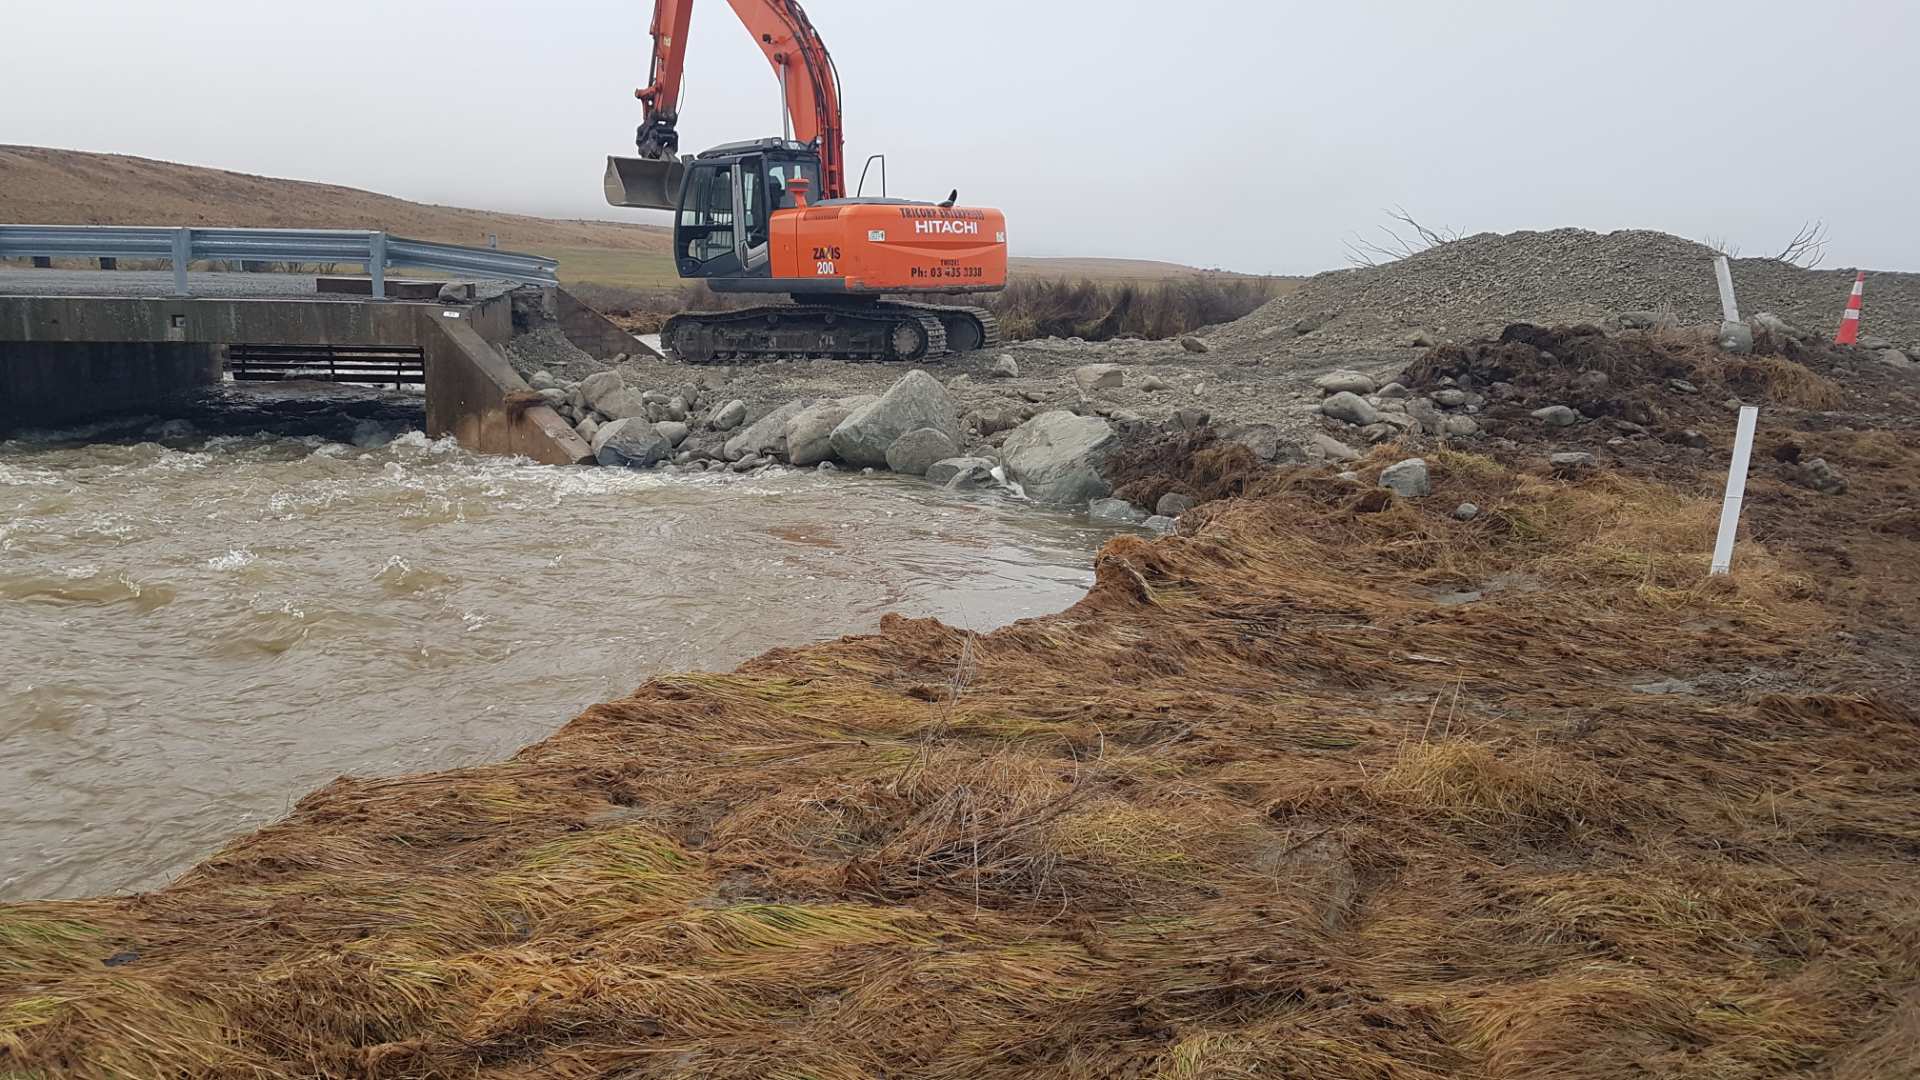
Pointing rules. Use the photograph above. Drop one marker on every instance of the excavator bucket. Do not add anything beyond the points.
(645, 183)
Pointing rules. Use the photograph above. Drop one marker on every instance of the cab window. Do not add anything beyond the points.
(706, 214)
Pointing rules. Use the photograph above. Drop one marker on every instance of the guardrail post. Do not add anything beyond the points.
(377, 264)
(182, 255)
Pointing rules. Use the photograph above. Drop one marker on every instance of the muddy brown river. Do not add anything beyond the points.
(203, 616)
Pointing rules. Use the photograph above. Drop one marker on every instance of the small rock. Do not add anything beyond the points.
(1556, 416)
(1173, 504)
(826, 466)
(1034, 396)
(1451, 398)
(676, 408)
(729, 416)
(1875, 343)
(1894, 357)
(765, 436)
(1421, 411)
(588, 428)
(1421, 339)
(1006, 367)
(1392, 391)
(1190, 419)
(1460, 426)
(1310, 323)
(943, 472)
(749, 463)
(1815, 473)
(1628, 426)
(1331, 448)
(1407, 479)
(1466, 511)
(959, 382)
(543, 380)
(1695, 439)
(674, 431)
(1403, 420)
(1350, 477)
(1591, 382)
(1736, 337)
(1154, 384)
(1092, 377)
(555, 397)
(1344, 382)
(1351, 408)
(656, 397)
(1116, 510)
(1262, 439)
(691, 394)
(993, 421)
(1193, 344)
(915, 452)
(1775, 325)
(1682, 386)
(1161, 524)
(1638, 320)
(1377, 434)
(1571, 461)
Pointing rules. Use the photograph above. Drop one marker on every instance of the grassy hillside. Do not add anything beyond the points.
(74, 187)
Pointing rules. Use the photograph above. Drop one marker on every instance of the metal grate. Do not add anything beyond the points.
(373, 365)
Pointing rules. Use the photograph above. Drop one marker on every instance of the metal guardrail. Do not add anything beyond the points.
(181, 246)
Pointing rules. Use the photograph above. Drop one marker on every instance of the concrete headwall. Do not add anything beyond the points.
(44, 384)
(474, 395)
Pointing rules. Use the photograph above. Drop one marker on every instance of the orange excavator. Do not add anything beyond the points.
(773, 216)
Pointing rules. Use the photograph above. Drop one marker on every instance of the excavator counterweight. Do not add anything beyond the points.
(773, 216)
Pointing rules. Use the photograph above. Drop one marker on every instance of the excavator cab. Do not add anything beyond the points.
(726, 207)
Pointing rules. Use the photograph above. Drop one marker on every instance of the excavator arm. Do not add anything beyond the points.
(810, 89)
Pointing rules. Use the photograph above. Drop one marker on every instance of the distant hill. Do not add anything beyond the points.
(42, 185)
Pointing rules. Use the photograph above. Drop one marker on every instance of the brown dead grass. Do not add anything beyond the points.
(1258, 806)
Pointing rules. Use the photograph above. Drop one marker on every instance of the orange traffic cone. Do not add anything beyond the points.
(1850, 322)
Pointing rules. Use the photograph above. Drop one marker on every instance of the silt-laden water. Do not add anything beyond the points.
(198, 628)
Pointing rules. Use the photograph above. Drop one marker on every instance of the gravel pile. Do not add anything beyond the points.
(547, 349)
(1476, 286)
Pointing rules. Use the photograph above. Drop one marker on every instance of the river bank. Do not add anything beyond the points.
(1338, 781)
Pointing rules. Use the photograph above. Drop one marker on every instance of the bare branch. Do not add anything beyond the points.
(1807, 248)
(1411, 238)
(1720, 246)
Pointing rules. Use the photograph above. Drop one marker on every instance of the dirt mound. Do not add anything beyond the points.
(1472, 287)
(1151, 464)
(1306, 791)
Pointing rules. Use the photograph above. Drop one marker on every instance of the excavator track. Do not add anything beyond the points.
(887, 331)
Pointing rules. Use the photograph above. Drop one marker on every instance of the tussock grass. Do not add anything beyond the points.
(1257, 806)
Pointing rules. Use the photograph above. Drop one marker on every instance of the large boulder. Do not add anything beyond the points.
(632, 442)
(621, 404)
(674, 431)
(915, 452)
(597, 386)
(916, 401)
(810, 432)
(1057, 457)
(767, 435)
(1350, 407)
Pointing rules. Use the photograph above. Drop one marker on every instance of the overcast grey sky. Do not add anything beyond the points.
(1249, 134)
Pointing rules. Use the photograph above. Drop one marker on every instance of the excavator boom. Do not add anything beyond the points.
(810, 94)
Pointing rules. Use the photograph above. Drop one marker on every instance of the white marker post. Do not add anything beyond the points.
(1729, 308)
(1736, 490)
